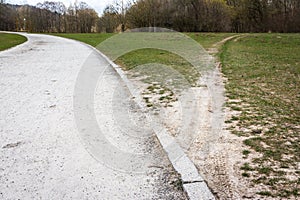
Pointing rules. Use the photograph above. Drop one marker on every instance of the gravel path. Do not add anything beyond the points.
(46, 153)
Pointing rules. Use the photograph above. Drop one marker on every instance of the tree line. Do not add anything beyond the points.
(217, 15)
(180, 15)
(48, 17)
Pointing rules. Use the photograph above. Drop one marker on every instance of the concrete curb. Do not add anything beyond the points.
(193, 184)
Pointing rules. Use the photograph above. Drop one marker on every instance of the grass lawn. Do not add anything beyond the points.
(10, 40)
(263, 72)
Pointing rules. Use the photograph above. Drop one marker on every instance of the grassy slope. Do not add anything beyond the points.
(263, 72)
(10, 40)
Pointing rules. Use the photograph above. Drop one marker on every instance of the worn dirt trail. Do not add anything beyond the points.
(215, 151)
(44, 154)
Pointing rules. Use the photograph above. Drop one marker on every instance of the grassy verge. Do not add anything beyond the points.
(10, 40)
(263, 72)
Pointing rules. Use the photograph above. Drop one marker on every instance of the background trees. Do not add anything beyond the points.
(109, 21)
(86, 18)
(217, 15)
(180, 15)
(7, 16)
(48, 17)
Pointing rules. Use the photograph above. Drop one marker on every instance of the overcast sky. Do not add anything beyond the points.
(98, 5)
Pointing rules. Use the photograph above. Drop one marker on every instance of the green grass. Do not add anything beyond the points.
(263, 72)
(10, 40)
(155, 73)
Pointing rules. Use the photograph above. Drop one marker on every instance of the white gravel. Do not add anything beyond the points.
(42, 153)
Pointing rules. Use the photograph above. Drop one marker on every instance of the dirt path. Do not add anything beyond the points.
(48, 150)
(216, 47)
(215, 151)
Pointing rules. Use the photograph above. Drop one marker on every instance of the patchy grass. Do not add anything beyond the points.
(172, 62)
(10, 40)
(263, 72)
(156, 94)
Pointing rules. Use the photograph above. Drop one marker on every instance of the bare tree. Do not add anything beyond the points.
(110, 20)
(87, 18)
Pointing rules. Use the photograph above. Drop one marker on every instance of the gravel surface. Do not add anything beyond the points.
(45, 153)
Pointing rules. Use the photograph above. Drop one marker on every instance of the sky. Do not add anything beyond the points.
(98, 5)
